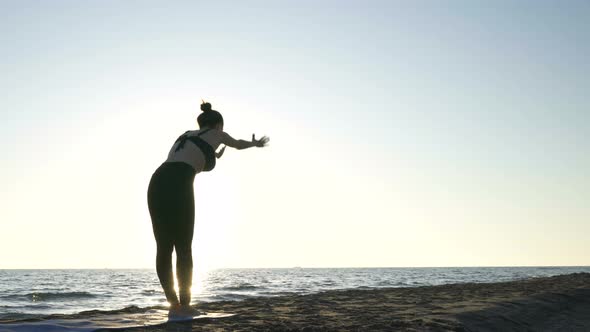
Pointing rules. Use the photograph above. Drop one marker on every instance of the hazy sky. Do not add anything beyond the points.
(403, 133)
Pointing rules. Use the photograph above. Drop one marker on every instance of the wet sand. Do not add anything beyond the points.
(560, 303)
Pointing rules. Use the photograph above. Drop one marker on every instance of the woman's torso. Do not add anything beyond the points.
(191, 154)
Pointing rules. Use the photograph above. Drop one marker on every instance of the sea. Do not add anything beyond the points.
(26, 294)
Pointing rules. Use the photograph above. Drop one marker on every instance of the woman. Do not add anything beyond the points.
(171, 199)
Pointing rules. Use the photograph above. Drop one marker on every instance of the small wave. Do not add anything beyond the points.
(365, 287)
(16, 316)
(228, 296)
(278, 293)
(240, 287)
(127, 310)
(232, 297)
(49, 296)
(149, 292)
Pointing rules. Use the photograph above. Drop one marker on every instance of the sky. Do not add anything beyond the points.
(403, 133)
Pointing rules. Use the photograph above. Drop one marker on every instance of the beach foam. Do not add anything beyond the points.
(95, 320)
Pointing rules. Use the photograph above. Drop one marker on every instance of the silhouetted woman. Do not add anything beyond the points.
(171, 199)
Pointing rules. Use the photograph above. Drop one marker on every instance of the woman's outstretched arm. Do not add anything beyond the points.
(241, 144)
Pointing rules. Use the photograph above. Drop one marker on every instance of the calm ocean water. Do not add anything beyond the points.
(35, 293)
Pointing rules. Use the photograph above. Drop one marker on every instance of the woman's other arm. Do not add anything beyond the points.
(220, 153)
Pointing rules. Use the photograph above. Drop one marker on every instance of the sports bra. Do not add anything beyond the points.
(205, 147)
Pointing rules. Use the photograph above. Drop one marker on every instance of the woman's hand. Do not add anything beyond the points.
(220, 153)
(261, 142)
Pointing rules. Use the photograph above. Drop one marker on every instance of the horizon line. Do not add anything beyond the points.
(304, 267)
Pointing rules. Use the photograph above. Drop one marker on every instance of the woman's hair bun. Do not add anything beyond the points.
(206, 107)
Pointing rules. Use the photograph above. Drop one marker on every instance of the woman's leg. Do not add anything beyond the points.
(183, 246)
(165, 245)
(184, 271)
(164, 269)
(162, 212)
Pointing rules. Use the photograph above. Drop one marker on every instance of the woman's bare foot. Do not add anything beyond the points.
(183, 311)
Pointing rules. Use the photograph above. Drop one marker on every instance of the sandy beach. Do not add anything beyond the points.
(560, 303)
(544, 304)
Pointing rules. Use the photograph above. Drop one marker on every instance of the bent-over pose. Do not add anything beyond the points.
(171, 199)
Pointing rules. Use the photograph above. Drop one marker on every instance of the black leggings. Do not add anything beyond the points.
(172, 210)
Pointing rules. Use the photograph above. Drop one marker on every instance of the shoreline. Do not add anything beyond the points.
(547, 303)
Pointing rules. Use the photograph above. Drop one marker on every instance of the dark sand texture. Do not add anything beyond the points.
(560, 303)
